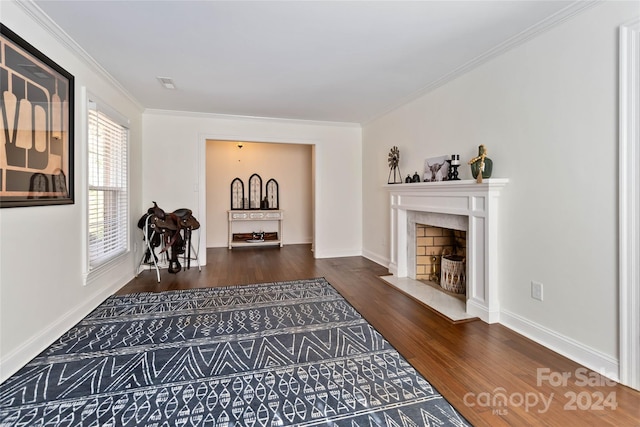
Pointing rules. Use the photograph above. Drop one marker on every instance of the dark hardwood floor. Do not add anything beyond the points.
(487, 372)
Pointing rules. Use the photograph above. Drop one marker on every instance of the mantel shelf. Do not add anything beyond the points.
(461, 185)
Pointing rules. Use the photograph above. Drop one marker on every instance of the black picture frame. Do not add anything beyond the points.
(237, 194)
(255, 191)
(37, 125)
(273, 194)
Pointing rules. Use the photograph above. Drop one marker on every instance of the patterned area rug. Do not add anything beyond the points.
(277, 354)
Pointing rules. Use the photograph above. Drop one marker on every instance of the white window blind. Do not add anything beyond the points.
(108, 186)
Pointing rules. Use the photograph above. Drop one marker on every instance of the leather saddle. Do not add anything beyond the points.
(174, 227)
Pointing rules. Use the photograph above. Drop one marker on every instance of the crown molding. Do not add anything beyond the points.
(536, 29)
(41, 18)
(542, 26)
(195, 114)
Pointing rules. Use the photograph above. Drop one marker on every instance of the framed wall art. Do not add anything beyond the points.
(36, 126)
(237, 194)
(255, 191)
(273, 194)
(436, 169)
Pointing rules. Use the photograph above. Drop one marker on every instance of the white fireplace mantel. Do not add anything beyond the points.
(478, 202)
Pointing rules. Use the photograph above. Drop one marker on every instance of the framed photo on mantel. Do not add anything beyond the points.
(436, 169)
(36, 126)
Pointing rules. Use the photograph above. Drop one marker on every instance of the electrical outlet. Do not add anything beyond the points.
(536, 290)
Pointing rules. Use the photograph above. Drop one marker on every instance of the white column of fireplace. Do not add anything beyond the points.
(445, 203)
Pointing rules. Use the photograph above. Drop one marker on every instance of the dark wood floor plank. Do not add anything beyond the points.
(463, 361)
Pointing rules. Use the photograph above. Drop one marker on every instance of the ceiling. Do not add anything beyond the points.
(342, 61)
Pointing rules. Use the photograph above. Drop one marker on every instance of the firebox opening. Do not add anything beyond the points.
(432, 243)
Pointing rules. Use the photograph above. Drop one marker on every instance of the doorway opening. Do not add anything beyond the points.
(290, 164)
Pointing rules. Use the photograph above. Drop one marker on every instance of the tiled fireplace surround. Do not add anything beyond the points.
(457, 205)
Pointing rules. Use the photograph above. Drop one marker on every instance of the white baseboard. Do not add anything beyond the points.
(478, 310)
(336, 253)
(568, 347)
(22, 355)
(378, 259)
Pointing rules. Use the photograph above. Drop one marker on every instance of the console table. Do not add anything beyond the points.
(255, 215)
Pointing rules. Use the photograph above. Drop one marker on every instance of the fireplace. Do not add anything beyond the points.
(458, 205)
(432, 244)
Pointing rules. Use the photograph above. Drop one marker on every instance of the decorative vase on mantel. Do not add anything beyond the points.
(482, 161)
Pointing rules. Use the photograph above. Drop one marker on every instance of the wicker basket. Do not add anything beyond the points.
(452, 274)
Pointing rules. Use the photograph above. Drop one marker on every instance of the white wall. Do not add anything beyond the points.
(547, 112)
(288, 164)
(174, 163)
(42, 291)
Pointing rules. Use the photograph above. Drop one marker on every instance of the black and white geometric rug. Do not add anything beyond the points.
(276, 354)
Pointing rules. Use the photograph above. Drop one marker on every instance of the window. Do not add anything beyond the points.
(108, 200)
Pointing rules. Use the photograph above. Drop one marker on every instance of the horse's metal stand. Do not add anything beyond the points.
(188, 257)
(150, 249)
